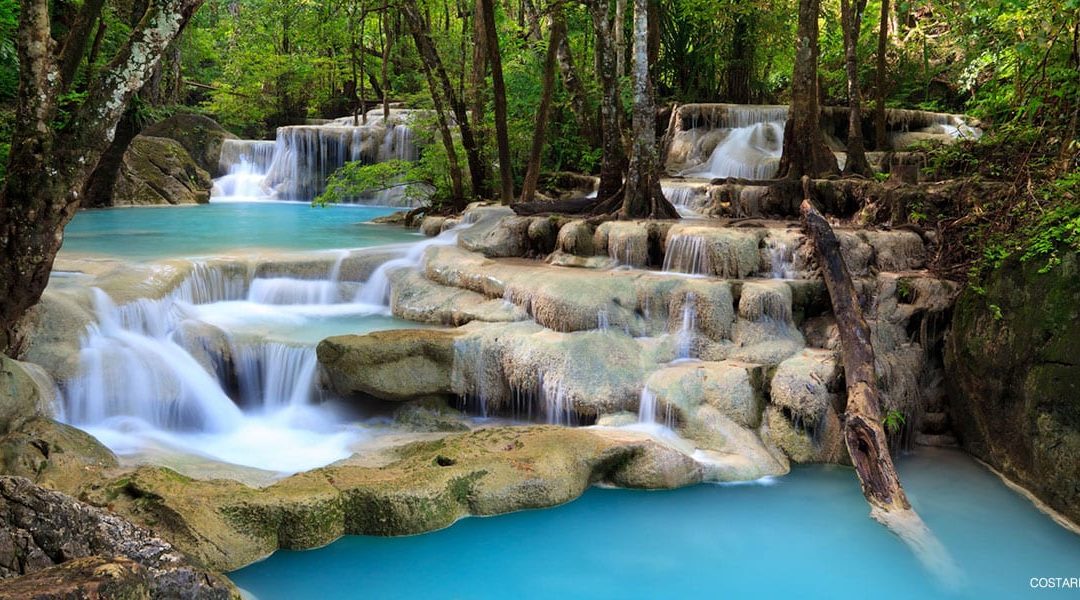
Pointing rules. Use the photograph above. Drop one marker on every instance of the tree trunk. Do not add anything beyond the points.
(49, 161)
(78, 35)
(612, 159)
(863, 432)
(575, 89)
(881, 142)
(851, 21)
(388, 44)
(532, 170)
(498, 91)
(441, 87)
(805, 152)
(477, 96)
(643, 196)
(737, 81)
(620, 38)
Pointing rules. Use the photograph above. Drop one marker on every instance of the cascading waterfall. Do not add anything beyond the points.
(687, 253)
(179, 372)
(749, 152)
(376, 290)
(781, 257)
(296, 165)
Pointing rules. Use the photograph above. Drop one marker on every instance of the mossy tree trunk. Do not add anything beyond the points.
(613, 155)
(52, 157)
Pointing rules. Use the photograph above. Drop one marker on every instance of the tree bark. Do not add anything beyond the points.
(575, 89)
(805, 152)
(477, 85)
(643, 196)
(498, 91)
(50, 162)
(441, 87)
(78, 35)
(863, 432)
(532, 170)
(851, 22)
(612, 159)
(881, 142)
(619, 32)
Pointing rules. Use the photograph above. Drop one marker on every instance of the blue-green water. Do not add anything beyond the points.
(147, 233)
(806, 536)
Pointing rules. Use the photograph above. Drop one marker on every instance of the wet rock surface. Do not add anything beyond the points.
(159, 170)
(1017, 406)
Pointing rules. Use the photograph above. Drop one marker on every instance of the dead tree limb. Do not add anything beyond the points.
(863, 432)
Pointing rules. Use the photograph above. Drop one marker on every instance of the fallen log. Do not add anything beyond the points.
(863, 431)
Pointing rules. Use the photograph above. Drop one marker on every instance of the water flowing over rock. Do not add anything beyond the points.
(297, 164)
(718, 141)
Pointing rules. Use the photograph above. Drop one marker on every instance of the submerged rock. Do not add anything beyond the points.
(1014, 377)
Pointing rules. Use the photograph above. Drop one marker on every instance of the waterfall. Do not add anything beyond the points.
(781, 257)
(688, 326)
(273, 375)
(289, 290)
(376, 290)
(130, 367)
(297, 164)
(603, 322)
(747, 152)
(687, 253)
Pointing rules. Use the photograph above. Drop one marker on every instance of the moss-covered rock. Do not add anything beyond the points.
(26, 391)
(395, 365)
(159, 170)
(201, 136)
(1014, 377)
(54, 454)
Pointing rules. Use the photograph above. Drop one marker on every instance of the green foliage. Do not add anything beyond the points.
(893, 421)
(9, 60)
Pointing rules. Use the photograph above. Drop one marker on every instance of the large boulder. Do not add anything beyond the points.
(40, 528)
(1014, 377)
(26, 391)
(397, 365)
(200, 136)
(159, 170)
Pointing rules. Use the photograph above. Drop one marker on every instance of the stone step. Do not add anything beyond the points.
(941, 440)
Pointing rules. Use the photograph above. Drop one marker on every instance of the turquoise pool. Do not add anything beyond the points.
(807, 535)
(147, 233)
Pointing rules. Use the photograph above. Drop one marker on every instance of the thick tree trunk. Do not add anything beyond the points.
(737, 80)
(498, 91)
(643, 196)
(805, 152)
(532, 171)
(440, 85)
(851, 21)
(50, 162)
(612, 159)
(881, 142)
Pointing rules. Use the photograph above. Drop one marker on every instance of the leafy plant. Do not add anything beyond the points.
(893, 421)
